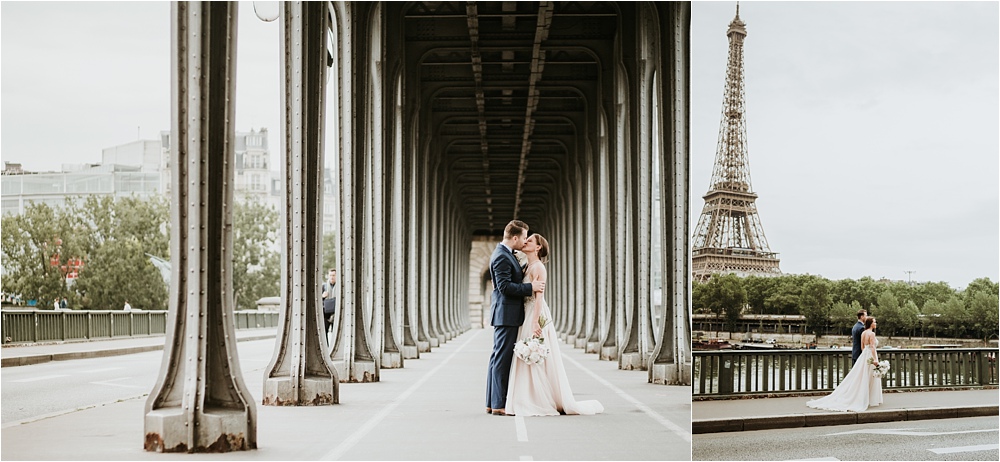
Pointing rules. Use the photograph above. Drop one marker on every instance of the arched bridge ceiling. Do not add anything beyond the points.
(509, 94)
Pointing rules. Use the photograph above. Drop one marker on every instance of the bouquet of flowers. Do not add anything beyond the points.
(879, 369)
(533, 350)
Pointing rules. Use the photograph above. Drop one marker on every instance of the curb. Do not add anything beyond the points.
(44, 358)
(839, 418)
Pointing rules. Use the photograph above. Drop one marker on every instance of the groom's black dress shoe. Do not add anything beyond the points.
(489, 411)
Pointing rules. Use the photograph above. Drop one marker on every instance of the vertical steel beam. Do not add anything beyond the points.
(670, 362)
(299, 372)
(199, 402)
(359, 364)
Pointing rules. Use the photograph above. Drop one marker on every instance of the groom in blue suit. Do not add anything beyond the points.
(508, 312)
(859, 327)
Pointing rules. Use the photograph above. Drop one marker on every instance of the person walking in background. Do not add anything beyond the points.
(127, 306)
(329, 300)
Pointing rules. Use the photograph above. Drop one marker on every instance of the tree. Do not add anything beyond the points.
(119, 271)
(887, 312)
(983, 307)
(909, 317)
(256, 265)
(815, 304)
(843, 316)
(116, 235)
(36, 246)
(955, 316)
(726, 296)
(329, 253)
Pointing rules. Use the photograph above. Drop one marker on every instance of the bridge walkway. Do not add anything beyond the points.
(432, 409)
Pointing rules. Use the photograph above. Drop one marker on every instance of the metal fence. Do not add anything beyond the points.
(766, 372)
(31, 326)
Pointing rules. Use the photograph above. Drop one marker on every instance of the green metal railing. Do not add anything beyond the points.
(31, 326)
(763, 372)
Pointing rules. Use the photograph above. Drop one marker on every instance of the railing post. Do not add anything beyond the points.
(725, 375)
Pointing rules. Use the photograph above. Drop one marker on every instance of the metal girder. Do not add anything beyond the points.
(199, 402)
(300, 373)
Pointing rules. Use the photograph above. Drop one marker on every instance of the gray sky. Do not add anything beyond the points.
(872, 127)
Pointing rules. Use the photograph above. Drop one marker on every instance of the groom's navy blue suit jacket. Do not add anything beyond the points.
(856, 331)
(508, 290)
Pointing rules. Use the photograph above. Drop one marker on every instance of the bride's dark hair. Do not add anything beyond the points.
(869, 321)
(543, 248)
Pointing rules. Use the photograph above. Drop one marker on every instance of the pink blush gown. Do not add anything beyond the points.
(543, 389)
(859, 389)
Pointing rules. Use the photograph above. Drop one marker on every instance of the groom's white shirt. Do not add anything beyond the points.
(508, 248)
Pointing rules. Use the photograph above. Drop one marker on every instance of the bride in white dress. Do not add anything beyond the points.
(860, 388)
(541, 389)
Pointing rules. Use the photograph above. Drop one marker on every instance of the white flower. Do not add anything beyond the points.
(531, 350)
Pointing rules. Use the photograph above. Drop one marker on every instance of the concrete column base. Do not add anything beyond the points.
(424, 347)
(580, 343)
(667, 374)
(631, 362)
(363, 372)
(609, 353)
(411, 352)
(219, 430)
(562, 336)
(434, 342)
(315, 391)
(392, 360)
(442, 339)
(571, 339)
(593, 347)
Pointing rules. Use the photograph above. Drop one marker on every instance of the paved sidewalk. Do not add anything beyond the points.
(22, 355)
(769, 413)
(432, 409)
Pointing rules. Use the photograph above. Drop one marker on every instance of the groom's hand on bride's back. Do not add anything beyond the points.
(538, 286)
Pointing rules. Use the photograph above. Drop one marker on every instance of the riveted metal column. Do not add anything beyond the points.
(392, 356)
(411, 311)
(299, 372)
(602, 246)
(579, 267)
(424, 338)
(670, 362)
(589, 259)
(359, 363)
(199, 402)
(619, 216)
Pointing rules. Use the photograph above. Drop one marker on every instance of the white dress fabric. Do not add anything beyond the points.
(543, 389)
(859, 389)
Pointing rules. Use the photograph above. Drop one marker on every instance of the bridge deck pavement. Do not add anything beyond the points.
(712, 416)
(432, 409)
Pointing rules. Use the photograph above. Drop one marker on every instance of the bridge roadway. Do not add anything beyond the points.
(430, 410)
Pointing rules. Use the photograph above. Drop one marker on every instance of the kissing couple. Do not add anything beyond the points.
(518, 313)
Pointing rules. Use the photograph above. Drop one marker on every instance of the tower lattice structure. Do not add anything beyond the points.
(729, 237)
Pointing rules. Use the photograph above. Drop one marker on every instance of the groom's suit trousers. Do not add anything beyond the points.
(504, 338)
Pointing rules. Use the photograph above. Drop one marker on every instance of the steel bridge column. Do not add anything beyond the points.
(595, 343)
(359, 363)
(424, 210)
(299, 373)
(671, 360)
(590, 252)
(199, 402)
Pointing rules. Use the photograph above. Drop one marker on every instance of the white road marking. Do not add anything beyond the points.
(980, 447)
(522, 431)
(106, 369)
(526, 457)
(352, 440)
(43, 377)
(108, 382)
(905, 432)
(684, 434)
(819, 458)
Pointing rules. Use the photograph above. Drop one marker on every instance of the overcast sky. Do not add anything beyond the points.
(872, 127)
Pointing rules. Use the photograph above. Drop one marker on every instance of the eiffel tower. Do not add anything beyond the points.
(729, 237)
